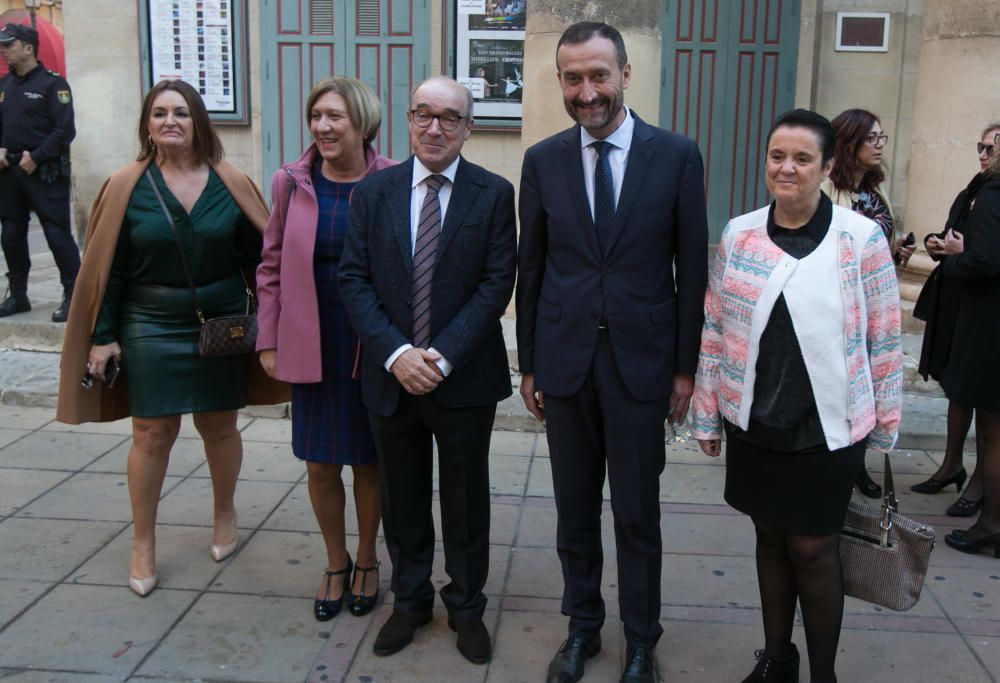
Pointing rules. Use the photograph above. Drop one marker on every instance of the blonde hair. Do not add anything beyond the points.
(363, 108)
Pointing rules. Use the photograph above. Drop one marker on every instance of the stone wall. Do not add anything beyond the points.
(957, 94)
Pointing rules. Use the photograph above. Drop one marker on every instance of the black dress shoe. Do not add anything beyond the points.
(361, 604)
(325, 609)
(867, 485)
(640, 666)
(972, 541)
(774, 670)
(963, 507)
(473, 638)
(397, 632)
(567, 665)
(933, 485)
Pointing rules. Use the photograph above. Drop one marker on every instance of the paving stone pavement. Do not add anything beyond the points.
(66, 614)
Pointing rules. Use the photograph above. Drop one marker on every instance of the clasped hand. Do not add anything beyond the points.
(953, 243)
(417, 370)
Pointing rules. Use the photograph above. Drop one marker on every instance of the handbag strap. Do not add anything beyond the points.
(888, 488)
(890, 505)
(180, 248)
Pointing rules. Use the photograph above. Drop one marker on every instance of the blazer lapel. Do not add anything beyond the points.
(400, 216)
(639, 158)
(464, 192)
(576, 189)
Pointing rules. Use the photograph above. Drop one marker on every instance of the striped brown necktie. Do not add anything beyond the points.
(424, 255)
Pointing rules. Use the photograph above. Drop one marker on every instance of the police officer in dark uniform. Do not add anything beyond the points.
(36, 127)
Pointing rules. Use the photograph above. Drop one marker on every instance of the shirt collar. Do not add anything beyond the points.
(818, 225)
(620, 138)
(420, 172)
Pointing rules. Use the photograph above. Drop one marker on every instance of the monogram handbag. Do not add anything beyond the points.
(884, 555)
(229, 335)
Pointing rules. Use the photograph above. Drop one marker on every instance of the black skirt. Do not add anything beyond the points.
(803, 492)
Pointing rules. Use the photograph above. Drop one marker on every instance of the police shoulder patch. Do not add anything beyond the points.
(63, 96)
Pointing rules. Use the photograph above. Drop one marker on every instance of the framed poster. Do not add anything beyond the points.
(202, 42)
(489, 56)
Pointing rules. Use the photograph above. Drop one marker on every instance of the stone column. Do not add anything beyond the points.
(957, 95)
(102, 58)
(638, 22)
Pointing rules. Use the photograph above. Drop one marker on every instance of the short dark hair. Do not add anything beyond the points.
(206, 144)
(810, 120)
(583, 31)
(850, 130)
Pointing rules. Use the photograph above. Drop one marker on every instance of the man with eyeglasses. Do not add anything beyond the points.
(427, 271)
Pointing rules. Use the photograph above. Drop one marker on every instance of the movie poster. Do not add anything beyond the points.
(490, 55)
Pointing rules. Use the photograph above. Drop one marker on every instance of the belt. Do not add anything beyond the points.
(602, 324)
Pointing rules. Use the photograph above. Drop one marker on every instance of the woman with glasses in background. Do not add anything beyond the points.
(938, 305)
(856, 183)
(972, 374)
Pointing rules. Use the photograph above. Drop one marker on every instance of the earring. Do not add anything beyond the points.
(149, 139)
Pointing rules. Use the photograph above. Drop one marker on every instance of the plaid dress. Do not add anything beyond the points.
(329, 422)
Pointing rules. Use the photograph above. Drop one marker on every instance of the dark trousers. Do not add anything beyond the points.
(603, 427)
(20, 194)
(406, 469)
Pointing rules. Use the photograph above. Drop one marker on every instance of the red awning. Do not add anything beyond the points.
(51, 50)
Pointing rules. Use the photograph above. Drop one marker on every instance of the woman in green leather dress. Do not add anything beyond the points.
(147, 315)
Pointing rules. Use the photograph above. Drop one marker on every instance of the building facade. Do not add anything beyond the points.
(716, 70)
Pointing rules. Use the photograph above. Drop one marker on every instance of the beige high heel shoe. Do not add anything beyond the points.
(142, 587)
(221, 552)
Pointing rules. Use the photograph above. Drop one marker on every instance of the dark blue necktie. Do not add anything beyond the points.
(604, 194)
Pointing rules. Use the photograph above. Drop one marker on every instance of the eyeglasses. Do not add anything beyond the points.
(876, 140)
(980, 148)
(423, 119)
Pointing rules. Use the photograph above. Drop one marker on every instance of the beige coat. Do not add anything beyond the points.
(99, 404)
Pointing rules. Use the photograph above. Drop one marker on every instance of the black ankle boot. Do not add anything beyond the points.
(16, 302)
(773, 670)
(62, 313)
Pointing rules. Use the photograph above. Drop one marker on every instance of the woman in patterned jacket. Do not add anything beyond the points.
(801, 366)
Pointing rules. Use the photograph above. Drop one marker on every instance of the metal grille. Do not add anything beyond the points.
(369, 17)
(321, 17)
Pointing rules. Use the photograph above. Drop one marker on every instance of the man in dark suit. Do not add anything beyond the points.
(427, 271)
(613, 269)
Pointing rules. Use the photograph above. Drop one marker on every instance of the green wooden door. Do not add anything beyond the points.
(728, 70)
(384, 43)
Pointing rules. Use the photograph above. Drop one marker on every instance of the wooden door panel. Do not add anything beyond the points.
(381, 42)
(729, 69)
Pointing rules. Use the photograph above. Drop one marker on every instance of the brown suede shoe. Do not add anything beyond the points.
(397, 632)
(473, 638)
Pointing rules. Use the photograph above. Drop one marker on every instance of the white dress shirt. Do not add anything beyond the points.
(418, 191)
(621, 141)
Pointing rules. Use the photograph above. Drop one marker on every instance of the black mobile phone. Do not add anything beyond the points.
(111, 370)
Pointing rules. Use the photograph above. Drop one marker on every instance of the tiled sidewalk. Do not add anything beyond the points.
(66, 615)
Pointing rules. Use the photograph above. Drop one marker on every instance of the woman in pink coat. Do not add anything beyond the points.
(305, 337)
